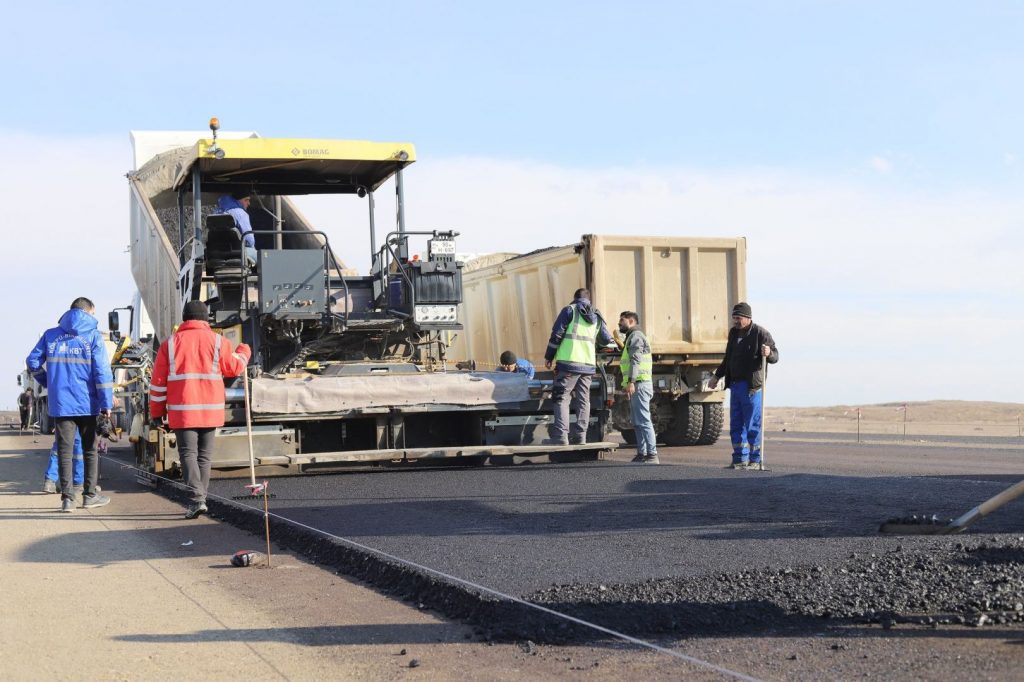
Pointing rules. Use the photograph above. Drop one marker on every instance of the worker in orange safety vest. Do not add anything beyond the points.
(188, 387)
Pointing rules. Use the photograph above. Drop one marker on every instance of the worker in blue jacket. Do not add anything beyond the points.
(510, 363)
(71, 361)
(237, 206)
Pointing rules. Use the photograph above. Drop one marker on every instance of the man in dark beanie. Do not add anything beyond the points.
(188, 387)
(741, 367)
(508, 362)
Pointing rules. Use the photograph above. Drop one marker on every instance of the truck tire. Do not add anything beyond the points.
(711, 429)
(686, 424)
(628, 435)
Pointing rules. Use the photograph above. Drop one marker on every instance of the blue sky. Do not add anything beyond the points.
(872, 153)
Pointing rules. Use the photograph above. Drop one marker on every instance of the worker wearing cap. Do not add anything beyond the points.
(510, 363)
(741, 367)
(236, 205)
(188, 387)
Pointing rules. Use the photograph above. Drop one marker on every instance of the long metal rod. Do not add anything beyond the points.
(764, 390)
(197, 211)
(373, 227)
(278, 222)
(987, 507)
(248, 429)
(182, 237)
(400, 196)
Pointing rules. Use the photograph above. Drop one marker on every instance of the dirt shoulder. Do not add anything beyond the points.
(115, 593)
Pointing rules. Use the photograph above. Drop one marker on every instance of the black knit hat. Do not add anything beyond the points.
(741, 309)
(195, 310)
(508, 358)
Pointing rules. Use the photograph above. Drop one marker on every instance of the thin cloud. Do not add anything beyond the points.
(881, 165)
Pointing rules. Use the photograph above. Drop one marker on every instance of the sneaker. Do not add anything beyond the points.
(95, 500)
(651, 459)
(67, 505)
(49, 486)
(196, 510)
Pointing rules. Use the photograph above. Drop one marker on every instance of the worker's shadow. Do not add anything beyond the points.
(101, 548)
(325, 635)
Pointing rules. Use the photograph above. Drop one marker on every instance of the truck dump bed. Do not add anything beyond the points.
(681, 287)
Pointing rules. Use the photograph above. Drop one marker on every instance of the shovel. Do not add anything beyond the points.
(925, 525)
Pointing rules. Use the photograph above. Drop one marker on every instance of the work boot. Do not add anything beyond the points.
(49, 486)
(94, 500)
(555, 441)
(639, 458)
(652, 459)
(737, 465)
(581, 440)
(67, 505)
(196, 510)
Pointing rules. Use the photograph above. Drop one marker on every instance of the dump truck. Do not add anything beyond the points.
(683, 289)
(346, 369)
(38, 410)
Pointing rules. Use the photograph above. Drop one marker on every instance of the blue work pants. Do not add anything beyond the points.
(745, 422)
(640, 413)
(78, 474)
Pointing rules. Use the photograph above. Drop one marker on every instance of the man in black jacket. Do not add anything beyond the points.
(748, 344)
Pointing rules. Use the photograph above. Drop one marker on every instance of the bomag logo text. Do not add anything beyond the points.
(316, 152)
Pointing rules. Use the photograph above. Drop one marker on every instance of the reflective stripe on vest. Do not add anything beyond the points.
(69, 361)
(579, 345)
(190, 408)
(214, 371)
(645, 370)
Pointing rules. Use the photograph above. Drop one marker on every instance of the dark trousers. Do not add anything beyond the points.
(195, 446)
(65, 428)
(24, 417)
(570, 390)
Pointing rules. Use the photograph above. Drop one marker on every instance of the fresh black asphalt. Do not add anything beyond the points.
(525, 528)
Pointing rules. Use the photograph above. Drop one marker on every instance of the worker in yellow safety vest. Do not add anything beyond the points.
(577, 332)
(637, 365)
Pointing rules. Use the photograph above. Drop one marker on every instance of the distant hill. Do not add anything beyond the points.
(929, 410)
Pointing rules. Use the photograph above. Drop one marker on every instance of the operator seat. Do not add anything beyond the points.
(224, 255)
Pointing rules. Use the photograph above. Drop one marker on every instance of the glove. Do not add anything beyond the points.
(155, 423)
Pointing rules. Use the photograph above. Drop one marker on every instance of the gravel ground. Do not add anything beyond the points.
(973, 583)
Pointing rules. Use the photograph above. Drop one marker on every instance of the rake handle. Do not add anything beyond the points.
(248, 428)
